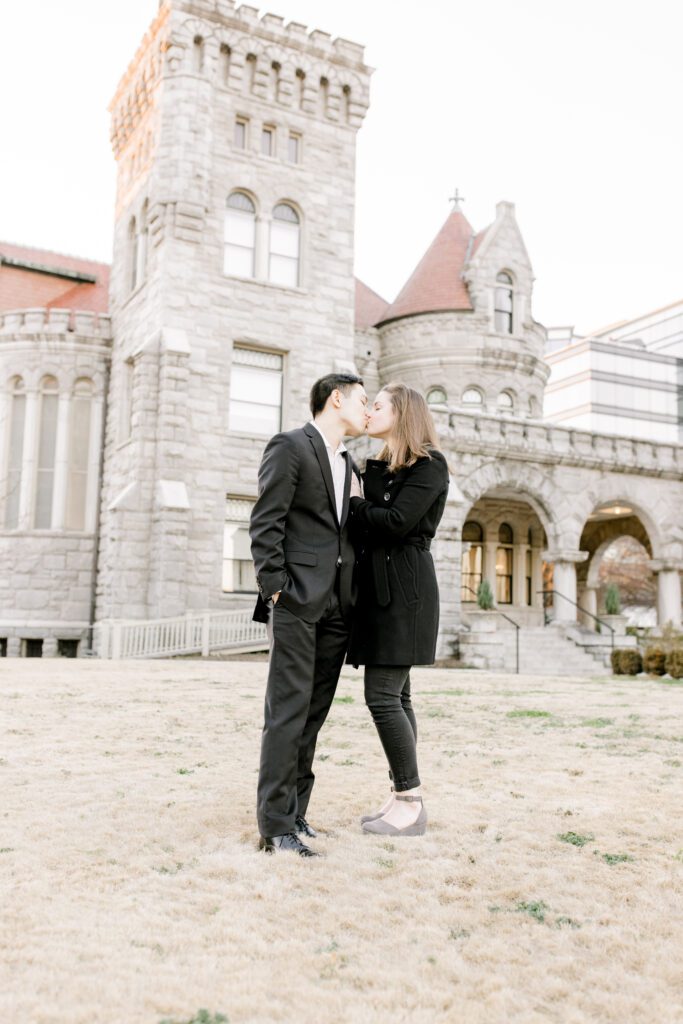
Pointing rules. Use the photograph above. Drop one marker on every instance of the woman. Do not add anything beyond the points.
(397, 616)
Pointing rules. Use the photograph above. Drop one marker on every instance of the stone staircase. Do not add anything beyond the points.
(559, 649)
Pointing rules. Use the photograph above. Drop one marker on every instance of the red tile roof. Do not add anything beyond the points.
(36, 278)
(436, 283)
(369, 306)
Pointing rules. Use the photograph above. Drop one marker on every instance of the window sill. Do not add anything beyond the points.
(262, 283)
(134, 294)
(76, 534)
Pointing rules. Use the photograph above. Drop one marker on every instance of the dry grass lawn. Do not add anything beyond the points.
(548, 887)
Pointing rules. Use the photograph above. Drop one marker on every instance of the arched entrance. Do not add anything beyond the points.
(503, 539)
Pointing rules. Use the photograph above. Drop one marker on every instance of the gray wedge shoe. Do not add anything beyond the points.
(373, 817)
(379, 827)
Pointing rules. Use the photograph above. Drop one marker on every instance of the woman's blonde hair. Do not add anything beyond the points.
(414, 433)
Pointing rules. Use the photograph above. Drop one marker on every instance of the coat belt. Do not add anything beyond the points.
(379, 560)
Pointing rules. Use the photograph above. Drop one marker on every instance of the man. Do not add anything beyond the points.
(304, 568)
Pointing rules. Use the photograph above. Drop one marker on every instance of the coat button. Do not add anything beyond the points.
(387, 496)
(339, 560)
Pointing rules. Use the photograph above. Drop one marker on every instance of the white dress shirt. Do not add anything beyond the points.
(338, 467)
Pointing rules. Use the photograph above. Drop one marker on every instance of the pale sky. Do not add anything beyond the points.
(570, 110)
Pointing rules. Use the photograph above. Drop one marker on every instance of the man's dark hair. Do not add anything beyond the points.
(323, 388)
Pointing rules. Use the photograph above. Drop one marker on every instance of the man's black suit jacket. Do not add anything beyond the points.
(297, 543)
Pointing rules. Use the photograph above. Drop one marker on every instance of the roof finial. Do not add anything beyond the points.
(457, 199)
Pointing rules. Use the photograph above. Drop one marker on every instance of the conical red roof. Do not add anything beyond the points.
(436, 283)
(369, 306)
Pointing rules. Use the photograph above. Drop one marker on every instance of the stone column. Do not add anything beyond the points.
(564, 583)
(536, 578)
(28, 463)
(489, 566)
(519, 575)
(589, 602)
(668, 592)
(61, 463)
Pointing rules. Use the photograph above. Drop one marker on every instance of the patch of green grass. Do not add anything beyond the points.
(672, 763)
(348, 762)
(679, 856)
(200, 1017)
(163, 870)
(531, 713)
(344, 700)
(7, 849)
(575, 838)
(597, 723)
(535, 909)
(458, 933)
(616, 858)
(443, 693)
(185, 771)
(385, 862)
(568, 922)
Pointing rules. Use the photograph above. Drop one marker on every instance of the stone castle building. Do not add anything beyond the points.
(131, 431)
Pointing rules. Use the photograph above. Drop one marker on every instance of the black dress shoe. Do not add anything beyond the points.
(289, 843)
(303, 828)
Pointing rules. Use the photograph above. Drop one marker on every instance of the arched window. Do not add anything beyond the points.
(17, 424)
(198, 55)
(472, 559)
(224, 59)
(47, 437)
(284, 246)
(436, 396)
(79, 451)
(506, 402)
(472, 396)
(532, 406)
(240, 235)
(132, 255)
(504, 564)
(503, 304)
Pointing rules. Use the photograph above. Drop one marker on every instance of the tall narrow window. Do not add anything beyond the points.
(300, 87)
(198, 55)
(472, 558)
(47, 437)
(17, 423)
(284, 246)
(255, 392)
(79, 450)
(294, 148)
(132, 255)
(503, 304)
(240, 235)
(241, 132)
(504, 564)
(529, 595)
(126, 403)
(238, 567)
(506, 402)
(224, 59)
(323, 97)
(268, 140)
(141, 246)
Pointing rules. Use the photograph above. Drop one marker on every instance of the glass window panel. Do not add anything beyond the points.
(293, 149)
(471, 397)
(503, 300)
(240, 228)
(239, 201)
(267, 141)
(505, 535)
(250, 418)
(283, 211)
(240, 134)
(284, 270)
(284, 239)
(238, 261)
(264, 387)
(79, 448)
(16, 450)
(472, 531)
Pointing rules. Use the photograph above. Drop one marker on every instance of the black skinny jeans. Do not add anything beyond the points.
(387, 695)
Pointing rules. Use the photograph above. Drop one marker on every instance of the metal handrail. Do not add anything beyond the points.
(577, 605)
(466, 586)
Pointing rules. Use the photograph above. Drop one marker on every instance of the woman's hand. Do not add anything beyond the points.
(356, 487)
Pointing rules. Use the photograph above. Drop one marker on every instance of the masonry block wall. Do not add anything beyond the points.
(171, 457)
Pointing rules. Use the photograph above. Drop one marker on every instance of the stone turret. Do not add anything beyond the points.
(462, 323)
(224, 122)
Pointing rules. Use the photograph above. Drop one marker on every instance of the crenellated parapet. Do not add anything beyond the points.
(236, 50)
(22, 324)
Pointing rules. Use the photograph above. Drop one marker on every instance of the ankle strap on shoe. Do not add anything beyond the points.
(409, 799)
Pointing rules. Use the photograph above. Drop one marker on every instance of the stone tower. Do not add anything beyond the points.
(232, 280)
(461, 329)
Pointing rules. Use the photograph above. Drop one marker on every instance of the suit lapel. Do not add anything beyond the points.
(347, 490)
(323, 459)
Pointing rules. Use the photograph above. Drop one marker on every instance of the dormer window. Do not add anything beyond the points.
(503, 303)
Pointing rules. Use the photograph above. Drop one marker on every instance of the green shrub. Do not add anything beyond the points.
(654, 661)
(612, 600)
(485, 596)
(674, 663)
(630, 661)
(615, 658)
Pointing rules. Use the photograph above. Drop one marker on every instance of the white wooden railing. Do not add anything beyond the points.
(194, 633)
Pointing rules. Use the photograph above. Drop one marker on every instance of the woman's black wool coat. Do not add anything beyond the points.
(396, 619)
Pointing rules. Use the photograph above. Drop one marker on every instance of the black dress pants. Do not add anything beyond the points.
(387, 695)
(305, 661)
